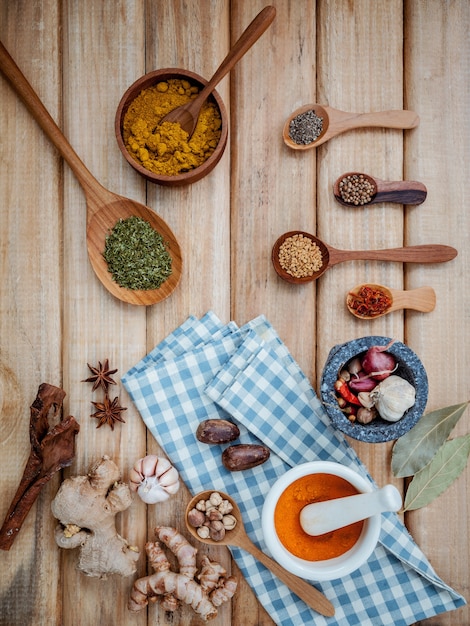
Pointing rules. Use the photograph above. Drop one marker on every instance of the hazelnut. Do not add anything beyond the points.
(217, 530)
(196, 518)
(203, 532)
(225, 507)
(229, 522)
(214, 514)
(215, 498)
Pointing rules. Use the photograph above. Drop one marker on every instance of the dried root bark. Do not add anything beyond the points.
(204, 595)
(52, 449)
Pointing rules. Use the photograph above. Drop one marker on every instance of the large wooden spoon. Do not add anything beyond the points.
(238, 537)
(422, 299)
(430, 253)
(104, 208)
(336, 122)
(401, 191)
(187, 114)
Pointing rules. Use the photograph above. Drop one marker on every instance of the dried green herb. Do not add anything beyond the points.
(440, 473)
(417, 447)
(137, 255)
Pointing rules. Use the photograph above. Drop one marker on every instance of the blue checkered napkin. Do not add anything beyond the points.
(206, 369)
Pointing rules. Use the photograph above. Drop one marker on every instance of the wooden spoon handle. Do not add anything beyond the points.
(422, 299)
(383, 119)
(43, 118)
(249, 36)
(430, 253)
(306, 592)
(404, 192)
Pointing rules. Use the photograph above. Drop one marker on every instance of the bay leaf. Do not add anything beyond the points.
(417, 447)
(440, 473)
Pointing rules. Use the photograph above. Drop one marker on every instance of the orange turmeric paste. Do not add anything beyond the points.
(303, 491)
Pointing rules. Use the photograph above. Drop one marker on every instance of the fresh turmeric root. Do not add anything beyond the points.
(172, 588)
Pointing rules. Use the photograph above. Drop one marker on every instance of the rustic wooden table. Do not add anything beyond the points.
(55, 315)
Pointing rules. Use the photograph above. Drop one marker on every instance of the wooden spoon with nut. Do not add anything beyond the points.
(104, 208)
(421, 299)
(376, 190)
(238, 537)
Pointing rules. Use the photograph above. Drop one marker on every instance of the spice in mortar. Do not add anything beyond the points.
(369, 301)
(356, 189)
(303, 491)
(305, 127)
(165, 148)
(299, 256)
(137, 255)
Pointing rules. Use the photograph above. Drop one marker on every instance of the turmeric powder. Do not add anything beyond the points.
(303, 491)
(166, 149)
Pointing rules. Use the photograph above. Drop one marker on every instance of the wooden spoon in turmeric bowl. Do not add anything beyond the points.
(371, 300)
(238, 537)
(187, 114)
(104, 208)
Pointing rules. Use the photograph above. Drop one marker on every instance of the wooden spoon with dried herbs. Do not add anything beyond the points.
(105, 210)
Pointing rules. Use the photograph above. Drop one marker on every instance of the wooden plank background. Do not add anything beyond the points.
(80, 56)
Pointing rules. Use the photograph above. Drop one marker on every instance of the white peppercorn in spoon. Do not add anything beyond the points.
(104, 208)
(334, 122)
(355, 189)
(238, 537)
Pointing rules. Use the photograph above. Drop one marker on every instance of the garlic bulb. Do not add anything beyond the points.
(154, 479)
(392, 397)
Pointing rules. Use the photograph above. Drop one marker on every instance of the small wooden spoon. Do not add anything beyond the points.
(187, 114)
(104, 208)
(421, 299)
(238, 537)
(336, 122)
(430, 253)
(401, 191)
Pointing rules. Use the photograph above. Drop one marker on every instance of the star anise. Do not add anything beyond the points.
(108, 412)
(101, 376)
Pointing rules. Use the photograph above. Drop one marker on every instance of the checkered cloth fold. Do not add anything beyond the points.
(206, 369)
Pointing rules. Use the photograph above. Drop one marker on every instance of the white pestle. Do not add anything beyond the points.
(319, 518)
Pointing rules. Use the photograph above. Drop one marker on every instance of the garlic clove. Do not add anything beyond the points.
(135, 478)
(393, 397)
(169, 477)
(161, 467)
(151, 492)
(149, 464)
(154, 479)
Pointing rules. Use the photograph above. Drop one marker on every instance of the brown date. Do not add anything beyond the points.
(244, 456)
(217, 431)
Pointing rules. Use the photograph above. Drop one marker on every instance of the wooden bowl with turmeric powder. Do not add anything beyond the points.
(163, 153)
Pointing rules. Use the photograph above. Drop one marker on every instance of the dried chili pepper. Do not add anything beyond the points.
(342, 388)
(369, 302)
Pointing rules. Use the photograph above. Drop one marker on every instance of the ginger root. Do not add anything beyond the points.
(86, 507)
(204, 595)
